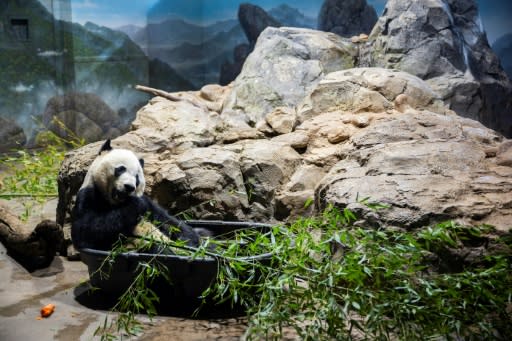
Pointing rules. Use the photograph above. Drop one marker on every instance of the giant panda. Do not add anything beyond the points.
(111, 204)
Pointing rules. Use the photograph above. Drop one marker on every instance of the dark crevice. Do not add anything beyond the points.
(300, 150)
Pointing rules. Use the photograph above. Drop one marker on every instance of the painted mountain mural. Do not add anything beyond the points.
(503, 49)
(43, 57)
(63, 51)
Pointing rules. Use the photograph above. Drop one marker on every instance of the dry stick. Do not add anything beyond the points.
(171, 97)
(158, 92)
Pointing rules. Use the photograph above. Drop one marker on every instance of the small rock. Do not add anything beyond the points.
(263, 126)
(491, 152)
(212, 92)
(306, 177)
(401, 103)
(296, 140)
(360, 121)
(293, 204)
(338, 134)
(504, 154)
(282, 119)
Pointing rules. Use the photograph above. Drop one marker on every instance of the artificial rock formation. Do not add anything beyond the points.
(444, 42)
(391, 139)
(285, 65)
(345, 18)
(304, 122)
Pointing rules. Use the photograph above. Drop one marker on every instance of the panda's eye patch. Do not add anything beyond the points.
(137, 181)
(119, 170)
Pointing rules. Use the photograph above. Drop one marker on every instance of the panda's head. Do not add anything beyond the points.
(117, 174)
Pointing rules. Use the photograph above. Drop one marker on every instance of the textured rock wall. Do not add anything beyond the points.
(389, 138)
(443, 41)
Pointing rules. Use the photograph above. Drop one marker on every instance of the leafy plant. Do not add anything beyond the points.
(32, 175)
(138, 298)
(327, 279)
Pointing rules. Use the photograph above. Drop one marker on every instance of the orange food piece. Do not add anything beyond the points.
(47, 310)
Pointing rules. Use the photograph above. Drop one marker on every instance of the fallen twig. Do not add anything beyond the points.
(158, 92)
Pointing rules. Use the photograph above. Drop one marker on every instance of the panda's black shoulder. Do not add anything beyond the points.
(90, 198)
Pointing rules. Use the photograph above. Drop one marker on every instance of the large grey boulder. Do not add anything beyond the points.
(346, 17)
(284, 66)
(443, 41)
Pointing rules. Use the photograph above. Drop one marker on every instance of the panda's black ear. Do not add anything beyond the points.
(106, 146)
(141, 161)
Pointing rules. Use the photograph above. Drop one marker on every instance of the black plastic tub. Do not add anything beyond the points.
(189, 277)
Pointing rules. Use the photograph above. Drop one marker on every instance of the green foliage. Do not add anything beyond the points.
(327, 279)
(32, 175)
(138, 298)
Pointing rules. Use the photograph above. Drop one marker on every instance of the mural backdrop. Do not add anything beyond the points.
(79, 60)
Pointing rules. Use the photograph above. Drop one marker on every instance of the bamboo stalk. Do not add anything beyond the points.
(17, 195)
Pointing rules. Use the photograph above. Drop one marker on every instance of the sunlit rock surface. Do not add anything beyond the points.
(359, 133)
(303, 123)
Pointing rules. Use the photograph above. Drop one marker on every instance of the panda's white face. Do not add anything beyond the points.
(118, 174)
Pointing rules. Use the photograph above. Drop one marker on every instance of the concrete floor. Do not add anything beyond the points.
(78, 313)
(23, 294)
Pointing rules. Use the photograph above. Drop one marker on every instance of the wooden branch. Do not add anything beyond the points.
(158, 92)
(174, 98)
